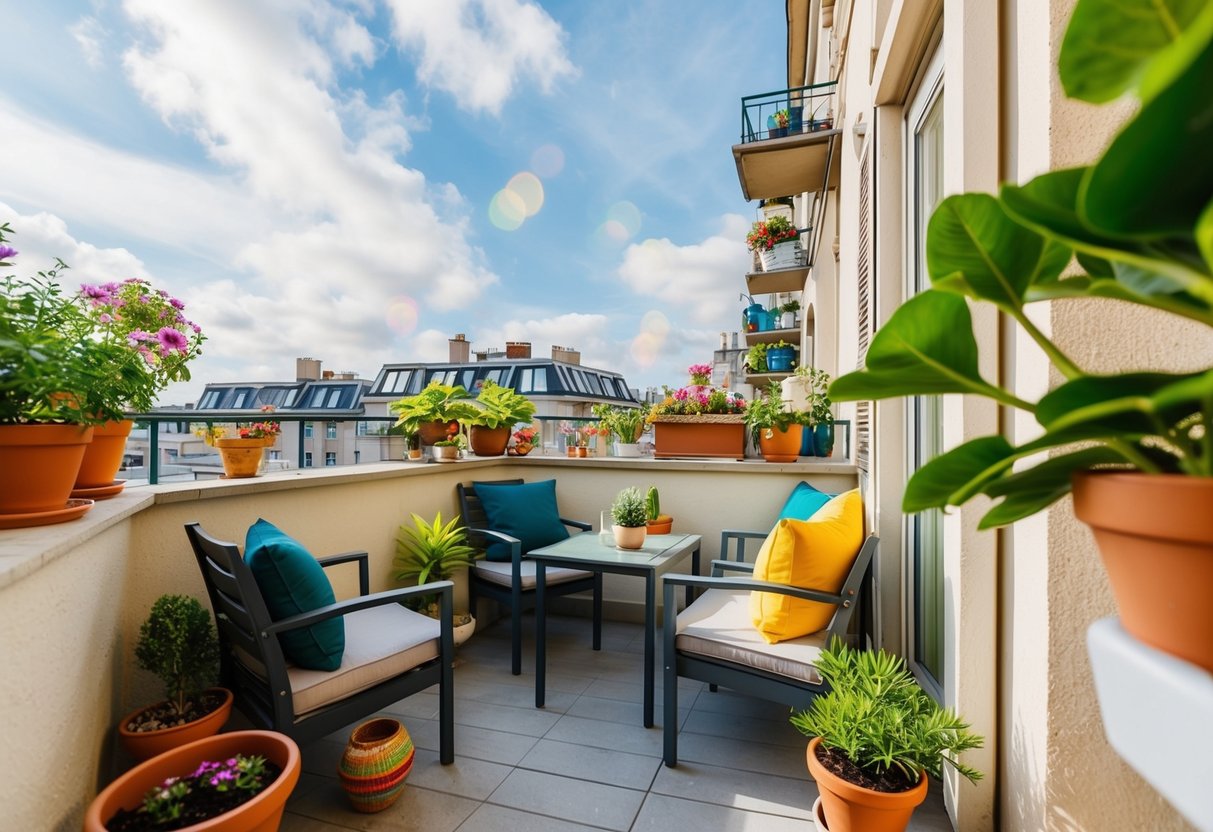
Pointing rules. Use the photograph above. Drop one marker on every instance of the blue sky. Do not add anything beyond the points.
(357, 181)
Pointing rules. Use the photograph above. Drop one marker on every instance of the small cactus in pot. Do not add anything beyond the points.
(657, 522)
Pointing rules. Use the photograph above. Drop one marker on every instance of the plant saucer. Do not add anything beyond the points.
(73, 509)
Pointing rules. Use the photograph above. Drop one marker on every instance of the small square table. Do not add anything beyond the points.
(585, 551)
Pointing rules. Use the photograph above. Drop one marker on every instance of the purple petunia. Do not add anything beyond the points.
(172, 340)
(7, 252)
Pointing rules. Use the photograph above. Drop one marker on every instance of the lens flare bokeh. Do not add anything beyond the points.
(507, 210)
(648, 343)
(529, 189)
(402, 314)
(547, 161)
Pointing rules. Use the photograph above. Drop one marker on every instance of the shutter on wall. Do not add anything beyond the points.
(866, 311)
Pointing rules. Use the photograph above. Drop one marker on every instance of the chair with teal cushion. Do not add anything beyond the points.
(390, 651)
(511, 517)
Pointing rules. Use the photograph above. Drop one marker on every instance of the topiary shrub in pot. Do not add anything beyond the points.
(630, 518)
(178, 643)
(876, 737)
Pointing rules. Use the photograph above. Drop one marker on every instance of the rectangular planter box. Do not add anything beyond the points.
(715, 439)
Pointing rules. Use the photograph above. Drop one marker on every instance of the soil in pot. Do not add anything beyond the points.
(152, 730)
(201, 803)
(162, 715)
(892, 780)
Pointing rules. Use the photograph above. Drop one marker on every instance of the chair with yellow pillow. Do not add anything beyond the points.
(761, 634)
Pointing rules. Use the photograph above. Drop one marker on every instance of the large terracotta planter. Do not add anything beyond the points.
(780, 445)
(241, 457)
(143, 745)
(103, 456)
(851, 808)
(713, 436)
(261, 814)
(38, 465)
(1155, 534)
(488, 441)
(431, 432)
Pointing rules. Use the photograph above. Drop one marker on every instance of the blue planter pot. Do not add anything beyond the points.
(823, 439)
(808, 444)
(780, 359)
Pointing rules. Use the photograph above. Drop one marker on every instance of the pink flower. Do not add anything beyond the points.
(172, 340)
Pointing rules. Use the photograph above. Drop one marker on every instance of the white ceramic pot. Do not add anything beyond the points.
(627, 449)
(464, 631)
(786, 255)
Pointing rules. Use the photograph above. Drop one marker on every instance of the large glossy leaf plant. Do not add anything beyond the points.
(1139, 224)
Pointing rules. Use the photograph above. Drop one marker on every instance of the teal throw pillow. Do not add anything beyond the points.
(293, 582)
(803, 502)
(526, 511)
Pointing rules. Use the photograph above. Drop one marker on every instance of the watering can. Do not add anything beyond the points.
(754, 315)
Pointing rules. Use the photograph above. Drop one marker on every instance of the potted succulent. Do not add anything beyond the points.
(234, 782)
(655, 521)
(1136, 446)
(774, 428)
(428, 552)
(876, 737)
(630, 518)
(490, 417)
(777, 242)
(625, 424)
(178, 643)
(699, 422)
(430, 413)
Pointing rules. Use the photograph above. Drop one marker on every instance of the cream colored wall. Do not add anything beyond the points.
(72, 597)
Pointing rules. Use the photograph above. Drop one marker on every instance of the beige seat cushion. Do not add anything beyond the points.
(500, 572)
(380, 642)
(718, 625)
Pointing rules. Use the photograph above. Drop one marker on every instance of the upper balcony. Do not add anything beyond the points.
(788, 142)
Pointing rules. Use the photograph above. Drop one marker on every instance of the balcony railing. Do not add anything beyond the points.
(807, 109)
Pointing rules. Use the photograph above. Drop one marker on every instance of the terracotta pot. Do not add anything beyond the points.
(1155, 534)
(488, 441)
(780, 445)
(582, 452)
(38, 465)
(851, 808)
(241, 457)
(716, 439)
(261, 814)
(629, 537)
(660, 526)
(571, 450)
(103, 456)
(414, 453)
(143, 745)
(432, 432)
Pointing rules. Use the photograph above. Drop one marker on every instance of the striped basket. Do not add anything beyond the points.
(377, 758)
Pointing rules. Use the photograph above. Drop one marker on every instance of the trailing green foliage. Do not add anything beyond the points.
(1139, 221)
(879, 717)
(629, 508)
(179, 644)
(768, 412)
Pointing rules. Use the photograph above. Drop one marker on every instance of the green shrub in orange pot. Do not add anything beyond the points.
(876, 737)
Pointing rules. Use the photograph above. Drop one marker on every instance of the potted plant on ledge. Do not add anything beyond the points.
(775, 429)
(1136, 446)
(777, 242)
(178, 643)
(491, 416)
(428, 552)
(625, 424)
(243, 453)
(699, 422)
(876, 737)
(430, 413)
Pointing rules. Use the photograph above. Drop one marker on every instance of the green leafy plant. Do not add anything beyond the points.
(768, 411)
(625, 423)
(756, 358)
(428, 552)
(628, 509)
(879, 718)
(1139, 221)
(178, 643)
(436, 403)
(764, 234)
(456, 440)
(790, 306)
(494, 407)
(816, 384)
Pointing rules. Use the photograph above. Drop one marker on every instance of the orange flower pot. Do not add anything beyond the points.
(261, 814)
(660, 526)
(1155, 535)
(143, 745)
(38, 465)
(714, 437)
(432, 432)
(851, 808)
(780, 445)
(103, 456)
(241, 457)
(488, 441)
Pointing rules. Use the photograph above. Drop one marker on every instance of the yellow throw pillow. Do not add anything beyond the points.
(815, 554)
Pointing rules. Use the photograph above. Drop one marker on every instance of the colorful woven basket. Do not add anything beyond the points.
(377, 758)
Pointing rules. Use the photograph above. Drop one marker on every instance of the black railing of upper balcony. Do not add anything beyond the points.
(773, 115)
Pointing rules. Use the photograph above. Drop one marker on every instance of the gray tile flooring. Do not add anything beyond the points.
(584, 762)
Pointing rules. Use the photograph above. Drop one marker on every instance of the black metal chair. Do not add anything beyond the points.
(705, 640)
(513, 584)
(390, 651)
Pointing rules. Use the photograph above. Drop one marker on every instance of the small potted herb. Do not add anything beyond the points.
(178, 643)
(630, 518)
(428, 552)
(876, 737)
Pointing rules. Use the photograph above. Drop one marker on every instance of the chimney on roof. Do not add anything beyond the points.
(307, 369)
(344, 375)
(460, 349)
(326, 375)
(566, 354)
(517, 349)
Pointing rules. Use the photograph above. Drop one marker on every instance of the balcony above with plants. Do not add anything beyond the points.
(788, 142)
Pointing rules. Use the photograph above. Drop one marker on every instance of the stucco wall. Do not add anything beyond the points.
(72, 597)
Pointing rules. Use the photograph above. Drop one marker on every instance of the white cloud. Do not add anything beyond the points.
(701, 278)
(42, 237)
(89, 35)
(479, 50)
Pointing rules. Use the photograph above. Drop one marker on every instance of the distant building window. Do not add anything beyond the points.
(533, 380)
(209, 399)
(395, 381)
(307, 430)
(307, 459)
(362, 429)
(241, 397)
(330, 430)
(330, 459)
(595, 385)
